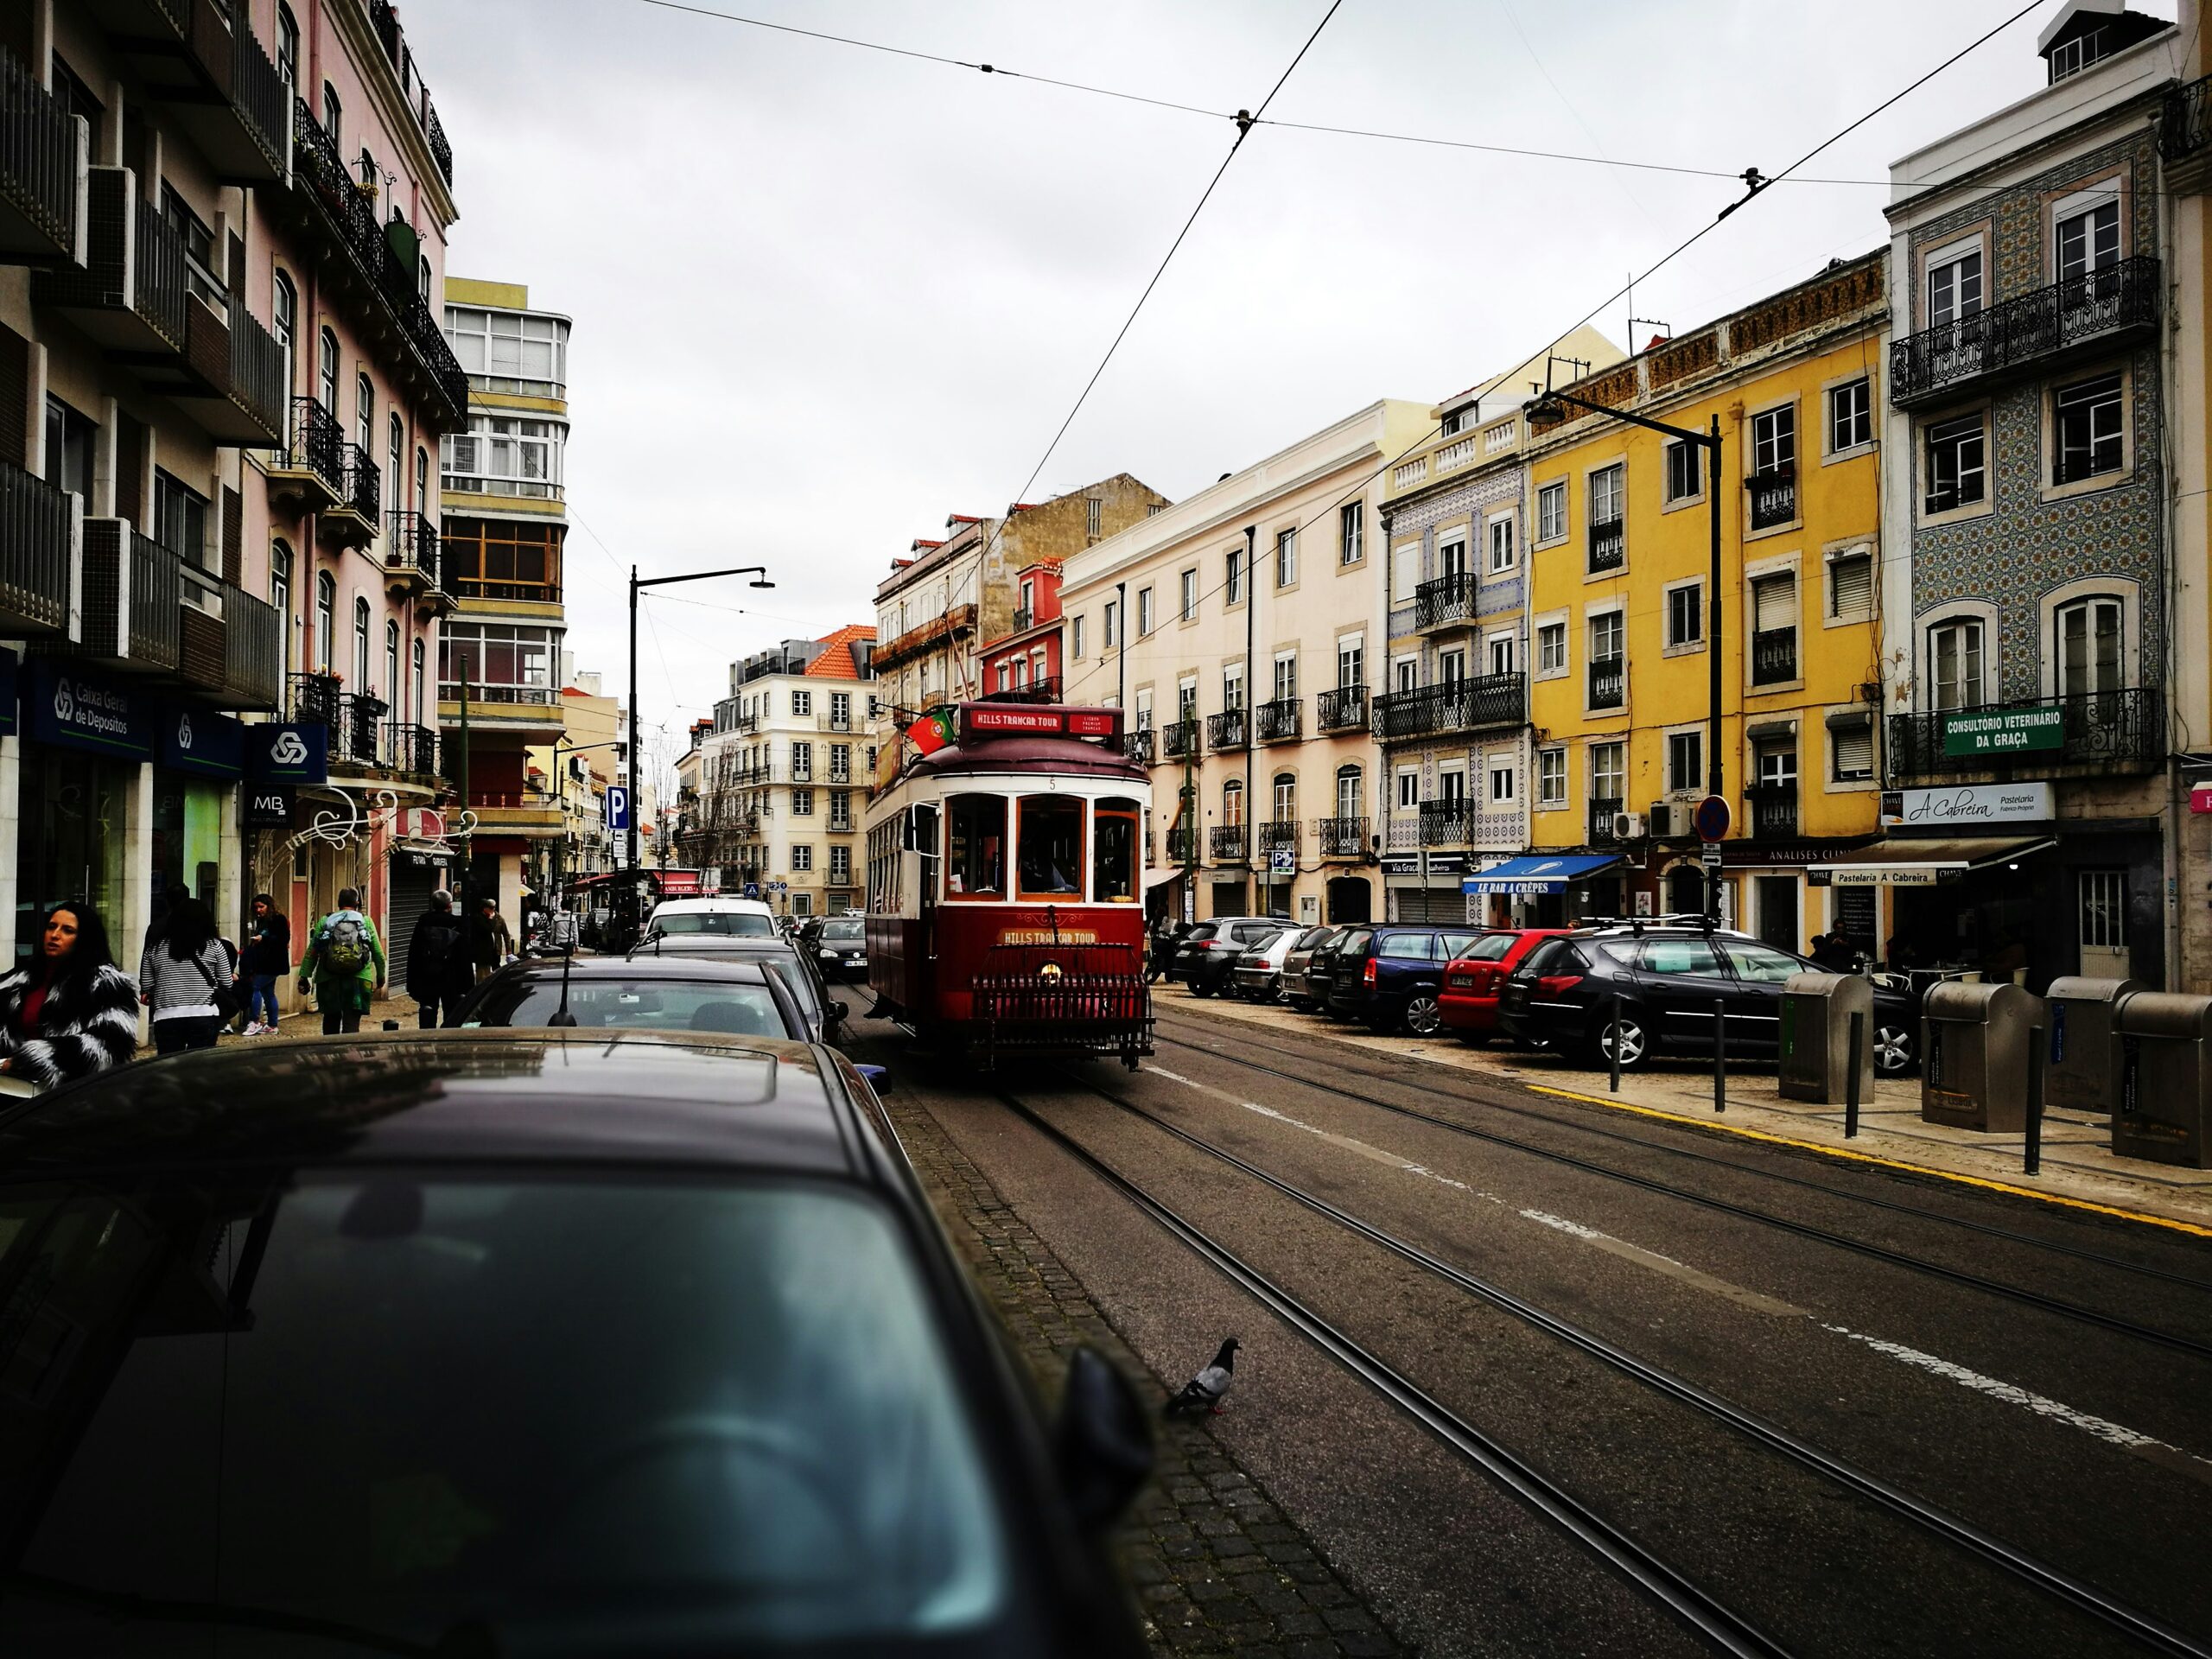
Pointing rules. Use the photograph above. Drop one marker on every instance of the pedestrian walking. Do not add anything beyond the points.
(495, 945)
(266, 959)
(344, 963)
(70, 1011)
(186, 978)
(439, 977)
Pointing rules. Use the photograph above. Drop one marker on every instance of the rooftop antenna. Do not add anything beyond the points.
(560, 1015)
(1667, 330)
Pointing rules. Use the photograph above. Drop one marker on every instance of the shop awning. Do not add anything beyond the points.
(1902, 862)
(1538, 872)
(1154, 878)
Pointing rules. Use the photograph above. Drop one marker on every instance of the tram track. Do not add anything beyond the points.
(2052, 1305)
(1728, 1630)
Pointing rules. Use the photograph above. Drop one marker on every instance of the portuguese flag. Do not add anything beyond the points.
(933, 731)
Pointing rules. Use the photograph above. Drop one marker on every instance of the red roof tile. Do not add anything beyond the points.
(836, 662)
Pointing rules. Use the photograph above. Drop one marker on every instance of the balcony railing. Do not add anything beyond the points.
(1281, 720)
(413, 749)
(40, 161)
(828, 722)
(1343, 709)
(412, 548)
(1024, 619)
(355, 739)
(394, 39)
(253, 651)
(1180, 740)
(1448, 602)
(1277, 832)
(254, 383)
(1608, 682)
(156, 604)
(2095, 306)
(1044, 690)
(1774, 656)
(315, 699)
(1774, 497)
(2185, 134)
(2098, 729)
(1774, 810)
(1446, 823)
(523, 593)
(1602, 813)
(1227, 842)
(1453, 706)
(41, 543)
(1608, 545)
(361, 486)
(1182, 845)
(1138, 745)
(317, 450)
(1225, 730)
(1340, 837)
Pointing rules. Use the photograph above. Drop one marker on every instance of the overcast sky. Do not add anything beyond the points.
(825, 297)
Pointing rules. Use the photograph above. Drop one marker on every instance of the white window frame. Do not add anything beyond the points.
(1498, 538)
(1539, 627)
(1830, 616)
(1405, 792)
(1551, 513)
(1949, 256)
(1925, 467)
(1510, 795)
(1832, 396)
(1287, 558)
(1187, 593)
(1551, 778)
(1670, 645)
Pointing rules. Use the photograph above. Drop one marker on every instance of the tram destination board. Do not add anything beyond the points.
(2004, 731)
(1028, 720)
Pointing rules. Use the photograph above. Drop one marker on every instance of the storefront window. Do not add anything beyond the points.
(71, 817)
(1051, 847)
(975, 857)
(1114, 853)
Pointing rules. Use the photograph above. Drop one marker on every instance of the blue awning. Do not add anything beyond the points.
(1538, 872)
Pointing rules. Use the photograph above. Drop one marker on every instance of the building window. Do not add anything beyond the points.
(419, 692)
(365, 416)
(1189, 596)
(1851, 753)
(1285, 557)
(1075, 636)
(1955, 288)
(1351, 662)
(802, 751)
(1774, 440)
(1451, 556)
(1501, 786)
(2088, 242)
(1408, 790)
(1091, 506)
(509, 663)
(502, 559)
(1609, 771)
(506, 455)
(1408, 673)
(326, 620)
(288, 47)
(1851, 587)
(1144, 612)
(395, 454)
(1851, 415)
(1606, 636)
(1232, 688)
(1955, 648)
(1501, 653)
(1685, 760)
(1110, 626)
(1286, 797)
(1286, 676)
(1502, 556)
(506, 346)
(1551, 648)
(1232, 804)
(1350, 792)
(1684, 476)
(840, 858)
(802, 862)
(361, 647)
(1352, 529)
(2089, 642)
(392, 689)
(333, 117)
(1686, 614)
(1608, 489)
(2072, 57)
(280, 597)
(283, 319)
(1956, 475)
(180, 518)
(326, 382)
(2086, 420)
(1551, 777)
(1551, 511)
(841, 809)
(1233, 588)
(802, 802)
(422, 478)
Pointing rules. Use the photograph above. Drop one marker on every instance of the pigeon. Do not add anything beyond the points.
(1205, 1391)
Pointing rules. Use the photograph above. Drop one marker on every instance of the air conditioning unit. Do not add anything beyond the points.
(1628, 826)
(1670, 818)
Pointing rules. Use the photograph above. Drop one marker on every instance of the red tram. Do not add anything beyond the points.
(1004, 870)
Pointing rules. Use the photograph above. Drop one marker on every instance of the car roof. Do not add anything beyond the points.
(673, 947)
(587, 1097)
(644, 967)
(711, 904)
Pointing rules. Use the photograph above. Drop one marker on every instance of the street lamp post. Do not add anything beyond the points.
(760, 575)
(1715, 774)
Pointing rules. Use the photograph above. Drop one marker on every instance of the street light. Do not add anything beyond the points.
(1547, 404)
(760, 575)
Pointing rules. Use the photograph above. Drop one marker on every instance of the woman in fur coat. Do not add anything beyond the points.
(71, 1011)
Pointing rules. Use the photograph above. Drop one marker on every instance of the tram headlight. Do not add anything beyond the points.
(1051, 971)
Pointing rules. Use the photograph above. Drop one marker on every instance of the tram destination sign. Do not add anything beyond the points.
(2004, 731)
(1035, 720)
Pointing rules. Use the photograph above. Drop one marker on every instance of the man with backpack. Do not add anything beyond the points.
(345, 964)
(438, 976)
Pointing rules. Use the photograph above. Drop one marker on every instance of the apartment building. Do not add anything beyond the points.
(783, 775)
(1452, 705)
(1024, 661)
(1622, 619)
(221, 389)
(505, 525)
(1215, 622)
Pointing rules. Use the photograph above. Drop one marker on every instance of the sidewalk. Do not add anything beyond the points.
(2078, 1170)
(307, 1022)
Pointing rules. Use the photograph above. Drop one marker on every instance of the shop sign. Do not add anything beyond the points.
(1969, 803)
(268, 806)
(288, 754)
(1402, 866)
(2199, 794)
(9, 664)
(1886, 875)
(2004, 731)
(72, 711)
(198, 740)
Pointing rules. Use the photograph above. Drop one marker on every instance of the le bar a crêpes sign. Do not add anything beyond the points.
(2004, 731)
(1968, 804)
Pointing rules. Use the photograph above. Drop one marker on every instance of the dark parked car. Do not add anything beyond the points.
(522, 1343)
(824, 1014)
(1668, 980)
(839, 944)
(733, 998)
(1297, 965)
(1209, 951)
(1391, 976)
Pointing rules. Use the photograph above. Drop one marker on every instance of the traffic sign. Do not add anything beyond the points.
(1282, 861)
(618, 806)
(1710, 819)
(1712, 855)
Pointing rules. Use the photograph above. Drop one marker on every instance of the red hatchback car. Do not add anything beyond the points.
(1472, 980)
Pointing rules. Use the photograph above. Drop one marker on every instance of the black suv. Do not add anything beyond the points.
(1389, 975)
(1205, 955)
(1668, 980)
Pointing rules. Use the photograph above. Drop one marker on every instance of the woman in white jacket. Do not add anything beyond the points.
(179, 977)
(71, 1011)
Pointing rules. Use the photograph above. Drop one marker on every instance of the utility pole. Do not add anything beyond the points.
(1251, 695)
(467, 854)
(1121, 644)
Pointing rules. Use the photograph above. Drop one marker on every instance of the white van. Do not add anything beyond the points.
(741, 918)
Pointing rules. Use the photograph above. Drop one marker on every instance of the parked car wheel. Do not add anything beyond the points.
(1893, 1051)
(1200, 987)
(1635, 1040)
(1423, 1016)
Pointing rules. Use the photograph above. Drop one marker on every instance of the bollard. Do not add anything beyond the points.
(1719, 1054)
(1614, 1044)
(2034, 1103)
(1851, 1081)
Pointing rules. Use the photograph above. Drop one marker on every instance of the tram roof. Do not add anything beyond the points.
(1077, 755)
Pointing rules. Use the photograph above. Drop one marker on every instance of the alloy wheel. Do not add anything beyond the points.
(1634, 1043)
(1424, 1018)
(1892, 1050)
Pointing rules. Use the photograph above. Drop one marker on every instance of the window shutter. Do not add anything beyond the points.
(1851, 585)
(1854, 751)
(1773, 603)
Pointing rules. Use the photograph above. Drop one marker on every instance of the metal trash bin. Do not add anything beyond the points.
(2165, 1078)
(2081, 1055)
(1815, 1060)
(1976, 1040)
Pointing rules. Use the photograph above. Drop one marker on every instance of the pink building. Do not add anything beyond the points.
(1024, 661)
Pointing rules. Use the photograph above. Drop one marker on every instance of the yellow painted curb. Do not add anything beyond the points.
(1849, 1156)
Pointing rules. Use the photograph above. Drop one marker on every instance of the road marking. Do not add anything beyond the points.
(1688, 1274)
(1360, 1148)
(2135, 1440)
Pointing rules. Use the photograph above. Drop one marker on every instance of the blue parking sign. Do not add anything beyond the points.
(618, 806)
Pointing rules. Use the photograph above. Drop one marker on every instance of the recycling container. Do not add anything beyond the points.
(1976, 1040)
(2165, 1077)
(1815, 1057)
(2081, 1054)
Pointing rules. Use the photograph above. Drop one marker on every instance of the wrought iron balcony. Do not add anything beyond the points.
(2097, 308)
(1774, 497)
(1024, 619)
(1602, 813)
(1227, 842)
(1608, 545)
(356, 737)
(1773, 810)
(1225, 730)
(309, 471)
(411, 553)
(2102, 730)
(1281, 720)
(1277, 832)
(1608, 682)
(1774, 656)
(1182, 845)
(1180, 740)
(1044, 690)
(2185, 137)
(40, 545)
(351, 519)
(315, 699)
(1138, 745)
(385, 19)
(1343, 709)
(1448, 824)
(42, 164)
(1447, 602)
(1454, 706)
(1341, 837)
(413, 749)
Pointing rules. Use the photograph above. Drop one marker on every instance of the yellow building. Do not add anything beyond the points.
(1621, 625)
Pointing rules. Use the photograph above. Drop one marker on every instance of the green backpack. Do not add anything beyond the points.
(346, 943)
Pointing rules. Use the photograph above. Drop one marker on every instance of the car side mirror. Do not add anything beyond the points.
(1102, 1441)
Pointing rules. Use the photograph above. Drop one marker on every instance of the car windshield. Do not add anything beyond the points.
(410, 1413)
(847, 931)
(637, 1004)
(738, 924)
(1491, 947)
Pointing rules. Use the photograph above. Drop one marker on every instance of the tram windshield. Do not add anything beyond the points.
(976, 854)
(1051, 847)
(1114, 853)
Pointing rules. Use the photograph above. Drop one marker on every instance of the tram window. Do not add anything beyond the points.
(975, 861)
(1051, 847)
(921, 831)
(1114, 854)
